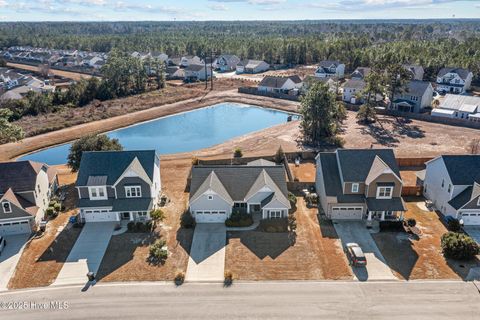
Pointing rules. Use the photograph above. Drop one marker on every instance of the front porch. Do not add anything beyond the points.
(385, 215)
(134, 216)
(258, 209)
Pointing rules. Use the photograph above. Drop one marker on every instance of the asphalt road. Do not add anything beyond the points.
(262, 300)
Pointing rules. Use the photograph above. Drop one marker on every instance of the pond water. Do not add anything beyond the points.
(183, 132)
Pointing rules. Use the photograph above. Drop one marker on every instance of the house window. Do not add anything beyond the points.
(97, 193)
(275, 214)
(133, 192)
(7, 208)
(449, 188)
(210, 197)
(142, 214)
(443, 183)
(355, 187)
(384, 192)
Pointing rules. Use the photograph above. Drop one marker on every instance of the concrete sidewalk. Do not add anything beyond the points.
(10, 256)
(356, 231)
(207, 254)
(86, 254)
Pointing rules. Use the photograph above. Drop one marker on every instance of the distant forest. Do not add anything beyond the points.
(433, 44)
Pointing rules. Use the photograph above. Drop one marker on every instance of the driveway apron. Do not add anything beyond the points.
(10, 256)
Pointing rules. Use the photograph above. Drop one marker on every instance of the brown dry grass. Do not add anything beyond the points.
(422, 258)
(66, 74)
(316, 254)
(126, 256)
(305, 172)
(43, 258)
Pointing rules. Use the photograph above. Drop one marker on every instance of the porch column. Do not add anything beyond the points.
(248, 208)
(369, 216)
(383, 216)
(401, 215)
(131, 215)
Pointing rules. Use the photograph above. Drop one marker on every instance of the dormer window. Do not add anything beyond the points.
(355, 187)
(384, 192)
(7, 208)
(97, 193)
(133, 192)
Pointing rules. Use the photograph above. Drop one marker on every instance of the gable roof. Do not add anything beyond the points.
(355, 164)
(261, 162)
(459, 102)
(277, 81)
(112, 164)
(329, 63)
(364, 71)
(236, 181)
(416, 87)
(19, 175)
(250, 63)
(462, 169)
(462, 73)
(461, 199)
(196, 67)
(355, 84)
(378, 168)
(19, 202)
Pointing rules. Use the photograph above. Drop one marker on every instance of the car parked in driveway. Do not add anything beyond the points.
(355, 255)
(3, 243)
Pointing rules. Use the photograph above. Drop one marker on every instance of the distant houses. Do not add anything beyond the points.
(330, 69)
(416, 72)
(353, 91)
(360, 73)
(197, 72)
(277, 84)
(454, 80)
(252, 66)
(417, 96)
(227, 62)
(459, 106)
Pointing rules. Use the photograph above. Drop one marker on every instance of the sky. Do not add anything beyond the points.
(168, 10)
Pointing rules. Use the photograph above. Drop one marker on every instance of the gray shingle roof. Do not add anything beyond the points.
(461, 199)
(472, 203)
(140, 204)
(237, 180)
(355, 84)
(19, 175)
(277, 81)
(331, 175)
(363, 71)
(112, 164)
(329, 63)
(393, 204)
(462, 169)
(416, 88)
(463, 73)
(355, 164)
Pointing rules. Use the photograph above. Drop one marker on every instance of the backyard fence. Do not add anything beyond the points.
(413, 162)
(411, 191)
(255, 91)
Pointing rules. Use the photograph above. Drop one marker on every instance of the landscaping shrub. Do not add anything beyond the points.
(195, 161)
(157, 215)
(391, 226)
(292, 222)
(411, 222)
(238, 219)
(157, 250)
(459, 246)
(274, 225)
(51, 213)
(187, 221)
(292, 199)
(453, 225)
(140, 227)
(237, 153)
(149, 225)
(131, 226)
(179, 278)
(228, 278)
(279, 155)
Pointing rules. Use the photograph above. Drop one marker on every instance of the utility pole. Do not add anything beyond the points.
(211, 70)
(206, 74)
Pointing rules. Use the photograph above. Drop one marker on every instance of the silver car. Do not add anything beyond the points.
(355, 255)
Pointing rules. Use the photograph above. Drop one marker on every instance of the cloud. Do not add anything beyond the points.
(363, 5)
(218, 7)
(3, 3)
(259, 2)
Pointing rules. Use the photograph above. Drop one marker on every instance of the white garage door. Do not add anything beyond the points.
(210, 216)
(471, 219)
(347, 213)
(17, 227)
(100, 216)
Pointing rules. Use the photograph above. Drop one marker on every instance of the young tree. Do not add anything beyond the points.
(396, 80)
(366, 114)
(9, 132)
(279, 155)
(320, 114)
(91, 143)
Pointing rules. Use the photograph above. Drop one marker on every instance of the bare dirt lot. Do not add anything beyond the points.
(43, 258)
(66, 74)
(414, 258)
(316, 254)
(126, 255)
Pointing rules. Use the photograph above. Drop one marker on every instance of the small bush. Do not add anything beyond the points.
(228, 278)
(238, 219)
(157, 215)
(292, 198)
(337, 141)
(157, 250)
(411, 222)
(179, 278)
(459, 246)
(237, 153)
(454, 225)
(279, 155)
(140, 227)
(187, 221)
(292, 222)
(149, 225)
(131, 226)
(51, 213)
(195, 161)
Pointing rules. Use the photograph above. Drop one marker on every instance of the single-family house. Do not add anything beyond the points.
(452, 183)
(258, 188)
(328, 69)
(189, 60)
(358, 184)
(360, 73)
(454, 80)
(118, 185)
(280, 84)
(227, 62)
(414, 98)
(332, 83)
(25, 191)
(458, 106)
(416, 72)
(353, 91)
(175, 73)
(197, 72)
(252, 66)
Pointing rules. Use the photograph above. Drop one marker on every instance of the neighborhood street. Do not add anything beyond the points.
(265, 300)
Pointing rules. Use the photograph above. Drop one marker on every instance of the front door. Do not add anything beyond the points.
(125, 215)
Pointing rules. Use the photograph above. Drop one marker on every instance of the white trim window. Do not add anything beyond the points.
(97, 193)
(384, 192)
(133, 191)
(210, 197)
(355, 187)
(275, 214)
(7, 207)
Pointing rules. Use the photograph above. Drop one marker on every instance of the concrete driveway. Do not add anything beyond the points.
(207, 254)
(355, 231)
(10, 256)
(86, 254)
(474, 232)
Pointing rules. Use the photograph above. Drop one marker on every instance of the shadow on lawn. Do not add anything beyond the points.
(263, 244)
(61, 246)
(400, 127)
